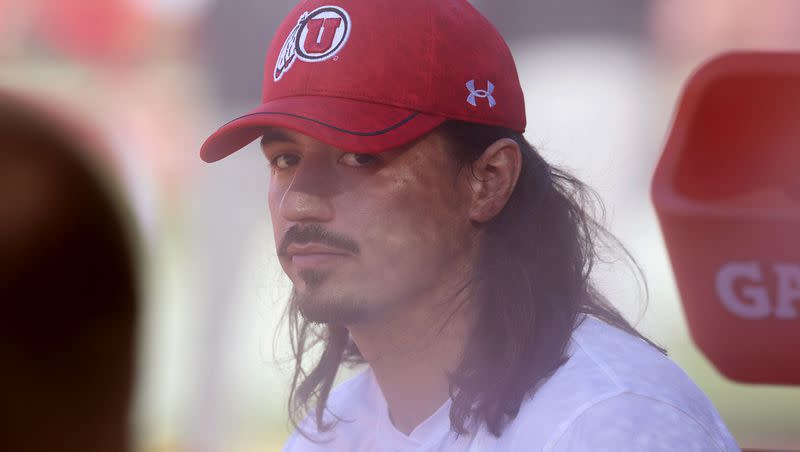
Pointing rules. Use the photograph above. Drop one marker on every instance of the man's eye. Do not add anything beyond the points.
(284, 161)
(357, 160)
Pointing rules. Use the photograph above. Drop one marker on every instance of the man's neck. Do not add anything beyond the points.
(411, 354)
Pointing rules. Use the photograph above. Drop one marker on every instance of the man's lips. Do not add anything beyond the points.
(313, 254)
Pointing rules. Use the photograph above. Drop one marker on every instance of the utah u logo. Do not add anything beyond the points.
(474, 94)
(318, 36)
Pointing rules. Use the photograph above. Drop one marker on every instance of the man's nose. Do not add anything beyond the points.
(308, 198)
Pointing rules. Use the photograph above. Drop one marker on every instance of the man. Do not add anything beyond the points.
(427, 239)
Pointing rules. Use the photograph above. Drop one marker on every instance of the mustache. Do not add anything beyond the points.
(315, 233)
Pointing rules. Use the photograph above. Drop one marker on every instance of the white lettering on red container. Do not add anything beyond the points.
(744, 290)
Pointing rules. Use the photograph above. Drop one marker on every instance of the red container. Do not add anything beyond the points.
(727, 194)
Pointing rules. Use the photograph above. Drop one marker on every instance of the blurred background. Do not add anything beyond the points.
(155, 77)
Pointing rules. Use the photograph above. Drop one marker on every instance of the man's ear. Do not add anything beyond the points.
(493, 179)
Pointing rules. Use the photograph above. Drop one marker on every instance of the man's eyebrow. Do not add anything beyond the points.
(275, 136)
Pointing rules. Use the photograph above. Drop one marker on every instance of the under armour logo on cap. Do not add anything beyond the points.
(474, 94)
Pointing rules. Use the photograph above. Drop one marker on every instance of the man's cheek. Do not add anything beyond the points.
(273, 197)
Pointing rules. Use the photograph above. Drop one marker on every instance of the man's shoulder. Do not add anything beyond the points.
(633, 422)
(626, 363)
(611, 370)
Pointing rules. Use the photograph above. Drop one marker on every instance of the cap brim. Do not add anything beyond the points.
(347, 124)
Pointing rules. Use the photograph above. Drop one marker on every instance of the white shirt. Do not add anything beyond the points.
(614, 393)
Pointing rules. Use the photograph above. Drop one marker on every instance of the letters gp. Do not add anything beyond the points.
(744, 290)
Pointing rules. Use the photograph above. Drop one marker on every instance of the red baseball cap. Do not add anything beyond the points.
(371, 75)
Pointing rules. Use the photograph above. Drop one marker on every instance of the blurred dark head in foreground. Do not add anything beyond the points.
(68, 291)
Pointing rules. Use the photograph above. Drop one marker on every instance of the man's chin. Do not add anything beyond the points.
(312, 279)
(330, 310)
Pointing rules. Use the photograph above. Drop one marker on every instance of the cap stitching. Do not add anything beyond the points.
(348, 94)
(366, 98)
(502, 122)
(338, 129)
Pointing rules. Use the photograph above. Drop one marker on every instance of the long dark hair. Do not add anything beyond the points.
(532, 284)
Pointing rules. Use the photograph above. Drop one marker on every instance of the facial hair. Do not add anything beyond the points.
(328, 309)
